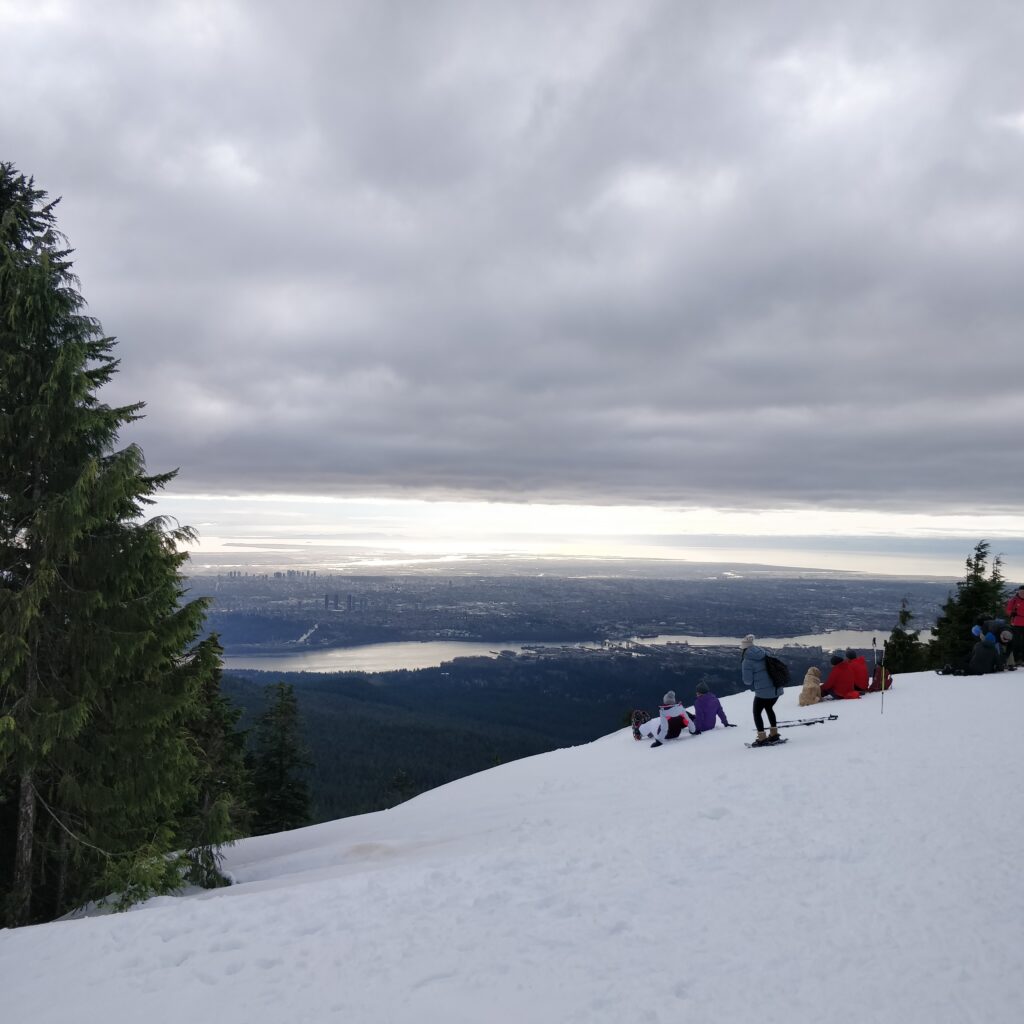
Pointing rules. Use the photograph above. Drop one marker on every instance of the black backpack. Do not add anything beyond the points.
(778, 670)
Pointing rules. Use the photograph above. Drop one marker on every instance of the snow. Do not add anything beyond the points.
(869, 870)
(309, 632)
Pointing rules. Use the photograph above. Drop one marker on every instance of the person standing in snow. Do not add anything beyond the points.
(707, 710)
(1015, 613)
(755, 677)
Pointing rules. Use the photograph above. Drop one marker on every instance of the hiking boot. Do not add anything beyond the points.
(656, 743)
(773, 735)
(762, 739)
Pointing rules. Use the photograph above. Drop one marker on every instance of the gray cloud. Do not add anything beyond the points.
(757, 254)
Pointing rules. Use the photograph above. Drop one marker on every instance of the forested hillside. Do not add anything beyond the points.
(376, 740)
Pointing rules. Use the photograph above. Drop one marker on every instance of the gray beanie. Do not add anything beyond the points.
(747, 641)
(702, 687)
(669, 698)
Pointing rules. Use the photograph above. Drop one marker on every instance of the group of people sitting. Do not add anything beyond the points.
(847, 679)
(673, 717)
(998, 642)
(993, 648)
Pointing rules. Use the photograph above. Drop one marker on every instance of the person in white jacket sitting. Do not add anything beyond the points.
(671, 721)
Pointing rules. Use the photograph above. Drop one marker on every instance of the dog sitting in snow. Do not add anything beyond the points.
(811, 693)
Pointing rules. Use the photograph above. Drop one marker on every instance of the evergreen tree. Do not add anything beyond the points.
(279, 764)
(904, 651)
(220, 811)
(979, 595)
(99, 675)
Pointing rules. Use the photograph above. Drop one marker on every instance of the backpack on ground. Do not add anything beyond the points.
(881, 679)
(777, 669)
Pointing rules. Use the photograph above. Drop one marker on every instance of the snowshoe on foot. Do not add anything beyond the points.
(639, 718)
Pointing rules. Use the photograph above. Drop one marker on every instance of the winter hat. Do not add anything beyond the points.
(1006, 636)
(747, 641)
(702, 687)
(836, 659)
(669, 698)
(1020, 588)
(851, 653)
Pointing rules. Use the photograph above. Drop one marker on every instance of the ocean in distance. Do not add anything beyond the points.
(413, 654)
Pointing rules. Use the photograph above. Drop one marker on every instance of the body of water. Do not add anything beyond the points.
(431, 653)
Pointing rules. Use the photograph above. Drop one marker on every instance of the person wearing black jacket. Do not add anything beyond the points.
(986, 657)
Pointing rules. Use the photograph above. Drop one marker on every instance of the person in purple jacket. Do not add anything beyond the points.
(706, 709)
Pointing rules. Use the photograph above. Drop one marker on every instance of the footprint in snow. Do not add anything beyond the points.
(714, 813)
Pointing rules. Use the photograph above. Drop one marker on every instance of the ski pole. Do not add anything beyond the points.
(809, 721)
(805, 721)
(882, 712)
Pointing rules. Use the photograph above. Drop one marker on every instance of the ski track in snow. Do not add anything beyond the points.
(867, 871)
(309, 632)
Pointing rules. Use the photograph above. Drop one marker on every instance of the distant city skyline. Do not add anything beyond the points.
(396, 536)
(481, 273)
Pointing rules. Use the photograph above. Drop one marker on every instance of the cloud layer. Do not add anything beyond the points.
(747, 255)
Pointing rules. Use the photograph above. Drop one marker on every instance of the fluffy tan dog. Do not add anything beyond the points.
(811, 693)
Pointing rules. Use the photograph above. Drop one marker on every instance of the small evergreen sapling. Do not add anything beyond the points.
(279, 765)
(978, 595)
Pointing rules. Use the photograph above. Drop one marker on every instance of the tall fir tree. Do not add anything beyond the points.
(279, 765)
(978, 595)
(904, 651)
(100, 671)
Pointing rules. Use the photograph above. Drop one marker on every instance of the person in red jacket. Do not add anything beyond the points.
(859, 670)
(840, 684)
(1015, 614)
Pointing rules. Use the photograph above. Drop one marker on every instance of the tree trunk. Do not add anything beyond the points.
(62, 874)
(21, 890)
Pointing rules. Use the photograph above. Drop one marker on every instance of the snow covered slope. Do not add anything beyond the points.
(868, 871)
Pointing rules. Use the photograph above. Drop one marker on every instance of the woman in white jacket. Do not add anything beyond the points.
(671, 721)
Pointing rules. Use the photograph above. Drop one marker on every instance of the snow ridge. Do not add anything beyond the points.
(869, 870)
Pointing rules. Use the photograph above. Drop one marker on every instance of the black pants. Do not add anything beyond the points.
(767, 705)
(1018, 645)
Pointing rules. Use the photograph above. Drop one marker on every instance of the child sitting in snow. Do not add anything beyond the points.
(811, 693)
(669, 724)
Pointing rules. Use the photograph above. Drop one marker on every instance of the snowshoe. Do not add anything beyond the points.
(639, 718)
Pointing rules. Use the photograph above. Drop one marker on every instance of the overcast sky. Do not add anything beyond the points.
(671, 254)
